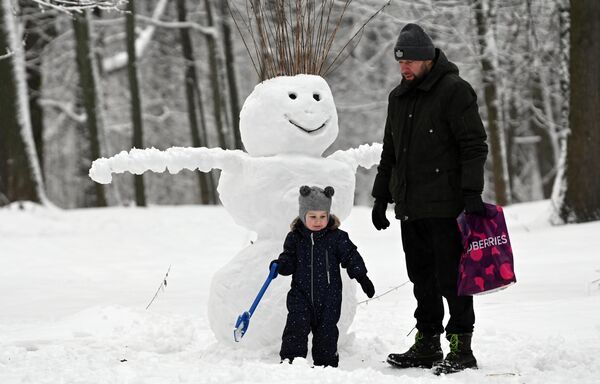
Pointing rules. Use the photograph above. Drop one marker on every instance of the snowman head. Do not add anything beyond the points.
(289, 115)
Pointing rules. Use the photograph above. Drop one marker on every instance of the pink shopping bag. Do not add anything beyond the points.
(486, 264)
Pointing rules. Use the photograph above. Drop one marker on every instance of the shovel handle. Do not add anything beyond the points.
(272, 275)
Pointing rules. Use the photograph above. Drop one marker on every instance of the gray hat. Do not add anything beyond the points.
(414, 44)
(314, 199)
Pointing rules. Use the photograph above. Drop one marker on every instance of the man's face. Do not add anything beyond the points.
(413, 69)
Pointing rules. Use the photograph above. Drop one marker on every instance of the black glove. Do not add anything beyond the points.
(474, 205)
(277, 269)
(366, 285)
(378, 215)
(284, 266)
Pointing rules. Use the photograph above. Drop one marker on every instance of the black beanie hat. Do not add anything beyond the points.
(414, 44)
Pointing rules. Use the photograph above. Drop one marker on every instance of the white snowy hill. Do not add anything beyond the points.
(74, 286)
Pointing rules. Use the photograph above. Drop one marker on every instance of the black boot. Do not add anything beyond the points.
(424, 353)
(460, 356)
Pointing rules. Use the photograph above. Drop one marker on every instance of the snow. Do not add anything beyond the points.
(75, 284)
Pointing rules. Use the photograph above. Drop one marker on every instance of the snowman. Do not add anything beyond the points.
(286, 124)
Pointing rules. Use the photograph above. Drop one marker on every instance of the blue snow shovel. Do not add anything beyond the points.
(243, 320)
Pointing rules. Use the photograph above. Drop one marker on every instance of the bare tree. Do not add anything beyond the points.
(39, 30)
(528, 42)
(231, 76)
(20, 175)
(564, 20)
(88, 86)
(581, 194)
(194, 98)
(484, 20)
(211, 41)
(79, 5)
(293, 36)
(136, 104)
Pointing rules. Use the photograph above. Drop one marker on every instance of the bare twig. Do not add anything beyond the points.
(358, 33)
(596, 281)
(232, 12)
(289, 37)
(66, 108)
(177, 24)
(80, 5)
(384, 293)
(3, 200)
(162, 286)
(8, 54)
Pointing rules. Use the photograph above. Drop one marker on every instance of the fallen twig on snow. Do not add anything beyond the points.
(384, 293)
(162, 286)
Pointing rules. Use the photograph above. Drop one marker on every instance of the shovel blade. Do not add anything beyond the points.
(241, 326)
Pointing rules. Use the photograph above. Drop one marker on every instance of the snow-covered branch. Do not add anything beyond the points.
(80, 5)
(8, 54)
(178, 24)
(119, 60)
(66, 108)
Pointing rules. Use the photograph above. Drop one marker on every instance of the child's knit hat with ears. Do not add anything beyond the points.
(314, 199)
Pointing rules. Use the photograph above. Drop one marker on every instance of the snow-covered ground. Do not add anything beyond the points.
(74, 286)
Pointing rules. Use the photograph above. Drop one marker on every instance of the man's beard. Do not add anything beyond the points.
(415, 81)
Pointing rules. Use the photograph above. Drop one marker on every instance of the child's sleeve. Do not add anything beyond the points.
(350, 258)
(287, 259)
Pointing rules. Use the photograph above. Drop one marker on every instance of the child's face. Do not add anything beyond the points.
(316, 220)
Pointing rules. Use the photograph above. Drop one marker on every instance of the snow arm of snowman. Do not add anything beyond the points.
(138, 161)
(366, 155)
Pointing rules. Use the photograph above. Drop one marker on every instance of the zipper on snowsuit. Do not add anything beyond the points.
(312, 246)
(327, 266)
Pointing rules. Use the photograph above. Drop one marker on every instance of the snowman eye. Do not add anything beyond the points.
(316, 96)
(292, 95)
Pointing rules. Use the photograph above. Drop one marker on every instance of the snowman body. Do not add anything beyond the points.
(262, 196)
(286, 124)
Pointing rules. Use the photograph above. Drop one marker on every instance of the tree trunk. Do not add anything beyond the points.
(582, 194)
(214, 77)
(87, 81)
(20, 176)
(541, 115)
(136, 104)
(39, 29)
(483, 22)
(231, 77)
(558, 188)
(192, 91)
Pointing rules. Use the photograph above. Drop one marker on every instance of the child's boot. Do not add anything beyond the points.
(424, 353)
(460, 356)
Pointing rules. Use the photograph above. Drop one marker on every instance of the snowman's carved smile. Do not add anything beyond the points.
(307, 130)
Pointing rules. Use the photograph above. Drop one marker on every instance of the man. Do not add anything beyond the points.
(431, 167)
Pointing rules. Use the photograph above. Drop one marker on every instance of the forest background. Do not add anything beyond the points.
(88, 95)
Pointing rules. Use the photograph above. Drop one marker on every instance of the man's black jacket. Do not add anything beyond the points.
(434, 146)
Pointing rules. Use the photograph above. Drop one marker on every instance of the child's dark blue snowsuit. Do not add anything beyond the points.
(315, 298)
